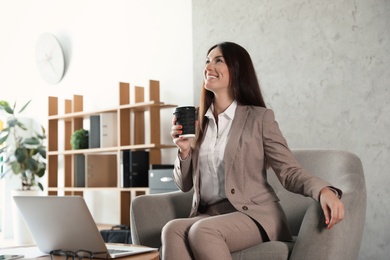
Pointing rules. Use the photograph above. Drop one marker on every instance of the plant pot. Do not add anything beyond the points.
(22, 235)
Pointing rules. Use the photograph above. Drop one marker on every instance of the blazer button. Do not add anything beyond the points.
(244, 207)
(232, 191)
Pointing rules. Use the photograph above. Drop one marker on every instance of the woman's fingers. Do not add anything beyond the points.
(332, 207)
(176, 131)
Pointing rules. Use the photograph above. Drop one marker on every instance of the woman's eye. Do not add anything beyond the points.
(207, 61)
(219, 60)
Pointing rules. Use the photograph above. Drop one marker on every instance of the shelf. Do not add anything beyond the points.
(111, 149)
(104, 173)
(135, 189)
(141, 106)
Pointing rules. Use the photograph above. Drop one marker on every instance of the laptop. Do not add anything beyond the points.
(65, 223)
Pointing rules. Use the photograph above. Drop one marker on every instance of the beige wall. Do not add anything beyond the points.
(324, 70)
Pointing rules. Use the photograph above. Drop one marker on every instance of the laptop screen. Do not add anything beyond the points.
(60, 223)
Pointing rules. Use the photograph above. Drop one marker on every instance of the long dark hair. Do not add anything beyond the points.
(243, 83)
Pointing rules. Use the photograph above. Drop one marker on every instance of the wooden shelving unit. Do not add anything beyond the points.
(130, 134)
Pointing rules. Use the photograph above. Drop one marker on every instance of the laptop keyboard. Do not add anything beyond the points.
(117, 251)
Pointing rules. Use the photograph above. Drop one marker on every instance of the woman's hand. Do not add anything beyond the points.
(332, 206)
(184, 144)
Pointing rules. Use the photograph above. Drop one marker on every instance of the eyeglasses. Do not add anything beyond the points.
(79, 254)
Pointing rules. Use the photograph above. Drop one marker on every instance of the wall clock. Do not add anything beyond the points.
(50, 58)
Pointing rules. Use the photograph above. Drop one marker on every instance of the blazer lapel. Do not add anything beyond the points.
(238, 124)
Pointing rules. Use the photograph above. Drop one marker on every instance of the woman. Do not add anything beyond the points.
(237, 139)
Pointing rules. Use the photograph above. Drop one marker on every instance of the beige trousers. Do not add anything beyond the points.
(209, 237)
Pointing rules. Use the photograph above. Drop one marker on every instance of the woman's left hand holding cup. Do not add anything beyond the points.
(184, 144)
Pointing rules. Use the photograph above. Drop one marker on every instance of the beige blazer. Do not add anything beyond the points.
(255, 137)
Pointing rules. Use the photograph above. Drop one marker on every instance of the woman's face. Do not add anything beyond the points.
(216, 73)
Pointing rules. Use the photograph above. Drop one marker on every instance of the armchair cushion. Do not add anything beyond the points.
(149, 213)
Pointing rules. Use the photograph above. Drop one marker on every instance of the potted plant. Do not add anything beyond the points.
(25, 156)
(79, 139)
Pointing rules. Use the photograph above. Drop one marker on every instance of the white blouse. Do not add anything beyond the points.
(211, 155)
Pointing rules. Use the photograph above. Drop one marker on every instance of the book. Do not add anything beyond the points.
(108, 129)
(135, 168)
(94, 131)
(79, 166)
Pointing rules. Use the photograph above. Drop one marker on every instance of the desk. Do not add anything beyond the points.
(153, 255)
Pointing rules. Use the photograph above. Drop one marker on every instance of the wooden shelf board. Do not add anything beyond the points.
(146, 105)
(136, 189)
(111, 149)
(81, 114)
(85, 151)
(142, 106)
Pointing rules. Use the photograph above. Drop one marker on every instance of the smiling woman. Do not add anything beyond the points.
(234, 207)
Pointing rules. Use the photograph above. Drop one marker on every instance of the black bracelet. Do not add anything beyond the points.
(335, 192)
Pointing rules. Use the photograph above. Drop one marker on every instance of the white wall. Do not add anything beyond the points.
(105, 42)
(324, 69)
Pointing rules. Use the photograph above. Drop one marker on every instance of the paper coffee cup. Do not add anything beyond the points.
(186, 116)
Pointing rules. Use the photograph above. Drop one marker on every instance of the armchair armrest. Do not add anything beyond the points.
(149, 214)
(342, 241)
(315, 241)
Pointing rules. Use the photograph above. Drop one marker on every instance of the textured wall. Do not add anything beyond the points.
(324, 70)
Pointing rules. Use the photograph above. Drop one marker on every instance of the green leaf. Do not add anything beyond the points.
(3, 149)
(40, 186)
(6, 107)
(3, 103)
(21, 155)
(32, 152)
(43, 130)
(5, 130)
(2, 175)
(4, 138)
(31, 141)
(32, 164)
(21, 125)
(41, 172)
(15, 167)
(42, 151)
(24, 107)
(41, 137)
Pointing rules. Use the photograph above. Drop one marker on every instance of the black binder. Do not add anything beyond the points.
(135, 168)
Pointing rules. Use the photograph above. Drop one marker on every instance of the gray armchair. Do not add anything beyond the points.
(312, 240)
